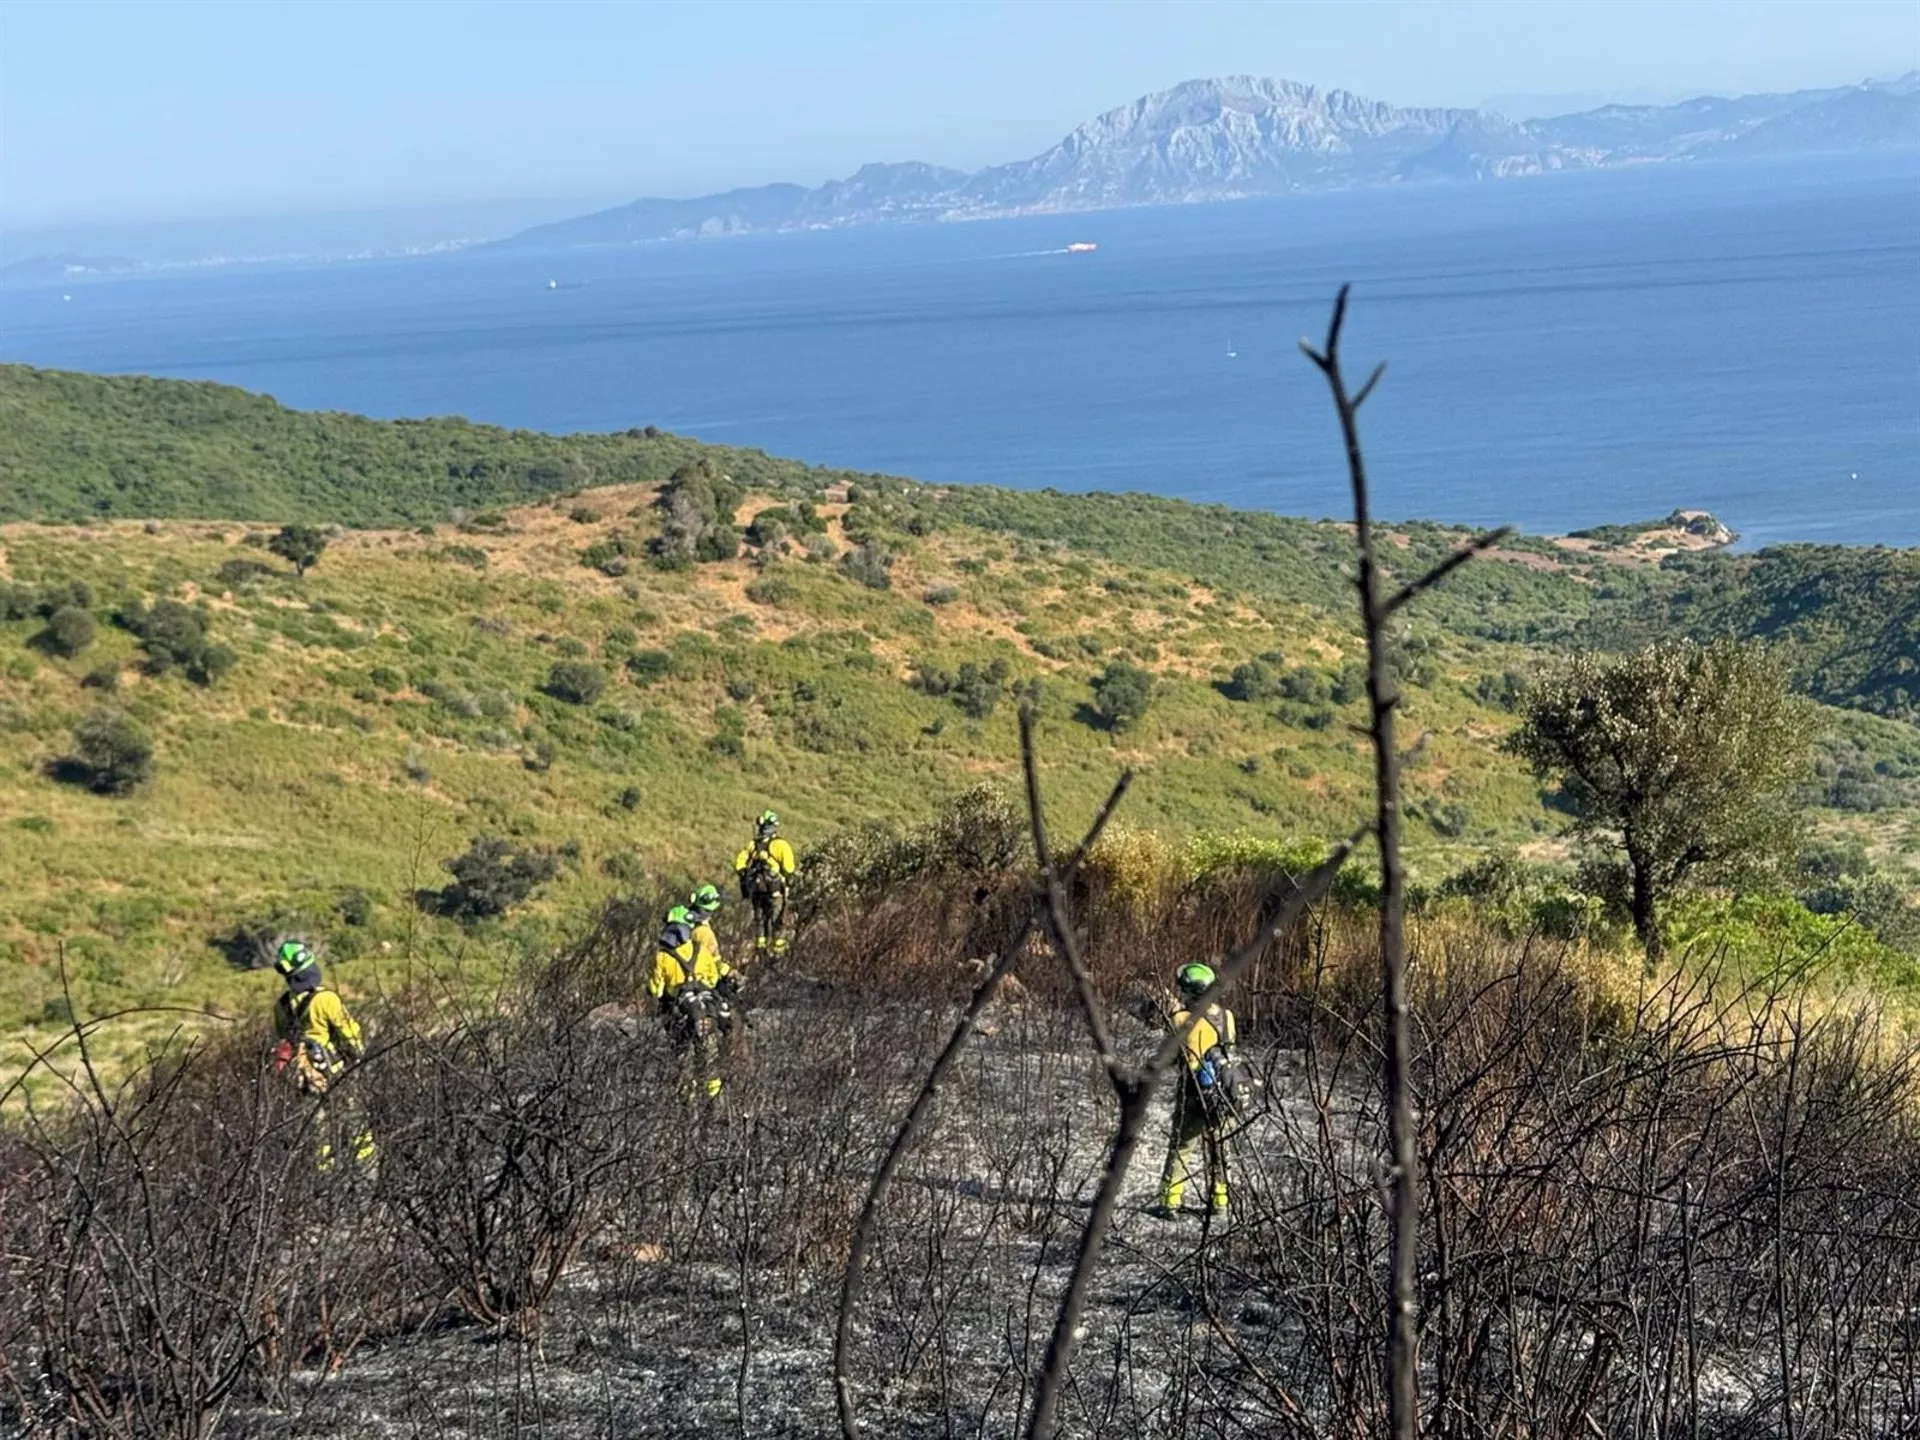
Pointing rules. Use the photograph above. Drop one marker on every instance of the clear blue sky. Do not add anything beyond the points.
(154, 111)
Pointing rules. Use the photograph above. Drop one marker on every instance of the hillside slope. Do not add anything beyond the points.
(83, 447)
(856, 656)
(396, 702)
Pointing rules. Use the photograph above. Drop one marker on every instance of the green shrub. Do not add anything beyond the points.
(729, 737)
(354, 906)
(240, 572)
(625, 867)
(772, 588)
(1121, 694)
(577, 682)
(210, 664)
(769, 527)
(612, 553)
(869, 566)
(717, 542)
(647, 666)
(170, 633)
(111, 754)
(69, 631)
(492, 877)
(1258, 679)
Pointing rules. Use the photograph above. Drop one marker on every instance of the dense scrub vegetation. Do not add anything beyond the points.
(566, 676)
(1846, 618)
(81, 447)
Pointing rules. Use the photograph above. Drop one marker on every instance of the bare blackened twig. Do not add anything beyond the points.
(1134, 1090)
(903, 1139)
(1403, 1400)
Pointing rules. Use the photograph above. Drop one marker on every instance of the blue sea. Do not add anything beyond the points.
(1564, 351)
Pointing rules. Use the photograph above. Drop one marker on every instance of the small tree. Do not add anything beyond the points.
(69, 631)
(492, 877)
(171, 633)
(111, 754)
(578, 682)
(1122, 692)
(1682, 756)
(300, 546)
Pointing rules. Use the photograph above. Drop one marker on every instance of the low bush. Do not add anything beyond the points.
(491, 878)
(112, 755)
(578, 682)
(69, 631)
(1122, 693)
(868, 565)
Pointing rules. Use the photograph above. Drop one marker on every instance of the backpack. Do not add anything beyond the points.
(1220, 1095)
(760, 877)
(305, 1063)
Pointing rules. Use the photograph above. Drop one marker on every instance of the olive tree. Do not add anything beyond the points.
(1681, 756)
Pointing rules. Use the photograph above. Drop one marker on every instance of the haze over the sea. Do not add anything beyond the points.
(1566, 351)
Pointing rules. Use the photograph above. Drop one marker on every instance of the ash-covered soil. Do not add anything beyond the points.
(699, 1323)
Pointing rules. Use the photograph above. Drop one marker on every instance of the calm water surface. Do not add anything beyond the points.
(1564, 351)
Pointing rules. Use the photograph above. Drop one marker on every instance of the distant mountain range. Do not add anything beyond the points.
(1229, 139)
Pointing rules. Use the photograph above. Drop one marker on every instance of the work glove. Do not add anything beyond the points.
(729, 985)
(1206, 1076)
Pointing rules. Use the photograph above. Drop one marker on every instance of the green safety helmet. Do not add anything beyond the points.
(679, 915)
(1194, 979)
(768, 820)
(293, 957)
(675, 935)
(706, 899)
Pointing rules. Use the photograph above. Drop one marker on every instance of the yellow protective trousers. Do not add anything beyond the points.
(1192, 1129)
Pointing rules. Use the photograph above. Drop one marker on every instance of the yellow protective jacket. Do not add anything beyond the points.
(316, 1019)
(706, 948)
(777, 853)
(673, 968)
(1214, 1027)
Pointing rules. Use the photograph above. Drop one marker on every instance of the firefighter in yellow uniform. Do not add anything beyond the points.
(701, 910)
(1203, 1103)
(765, 869)
(686, 984)
(318, 1039)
